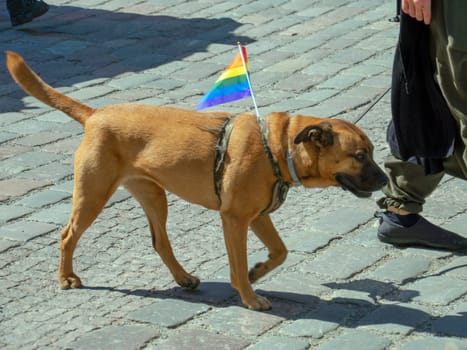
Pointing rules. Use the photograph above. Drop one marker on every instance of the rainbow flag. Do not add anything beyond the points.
(232, 85)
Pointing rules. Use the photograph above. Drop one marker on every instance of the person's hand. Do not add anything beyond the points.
(419, 9)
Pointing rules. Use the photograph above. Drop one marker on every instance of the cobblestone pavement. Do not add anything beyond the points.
(340, 288)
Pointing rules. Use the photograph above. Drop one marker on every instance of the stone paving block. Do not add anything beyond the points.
(12, 117)
(327, 227)
(343, 261)
(435, 343)
(132, 80)
(91, 92)
(169, 313)
(355, 339)
(401, 269)
(454, 323)
(6, 244)
(26, 161)
(434, 290)
(25, 230)
(18, 187)
(52, 172)
(56, 214)
(239, 321)
(324, 319)
(457, 268)
(212, 291)
(294, 286)
(279, 343)
(11, 212)
(30, 126)
(127, 337)
(41, 138)
(200, 339)
(8, 151)
(395, 318)
(43, 198)
(7, 136)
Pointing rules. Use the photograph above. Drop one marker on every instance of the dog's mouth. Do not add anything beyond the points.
(348, 185)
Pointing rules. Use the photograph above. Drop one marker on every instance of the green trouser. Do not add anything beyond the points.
(409, 186)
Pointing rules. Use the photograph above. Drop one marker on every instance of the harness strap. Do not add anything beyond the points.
(220, 150)
(280, 188)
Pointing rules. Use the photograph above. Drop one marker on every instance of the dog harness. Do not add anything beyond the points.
(280, 188)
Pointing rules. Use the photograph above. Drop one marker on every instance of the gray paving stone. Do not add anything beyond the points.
(41, 138)
(239, 321)
(279, 343)
(395, 318)
(324, 319)
(6, 244)
(356, 339)
(8, 151)
(401, 269)
(212, 291)
(200, 339)
(25, 230)
(432, 290)
(11, 212)
(431, 342)
(122, 337)
(294, 286)
(453, 324)
(56, 214)
(25, 161)
(326, 227)
(168, 313)
(17, 187)
(351, 260)
(43, 198)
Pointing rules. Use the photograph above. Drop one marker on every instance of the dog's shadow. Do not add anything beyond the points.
(71, 45)
(341, 311)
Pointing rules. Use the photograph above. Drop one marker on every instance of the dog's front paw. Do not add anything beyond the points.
(258, 303)
(189, 282)
(69, 282)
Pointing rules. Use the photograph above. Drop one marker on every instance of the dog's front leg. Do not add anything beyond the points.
(264, 229)
(235, 235)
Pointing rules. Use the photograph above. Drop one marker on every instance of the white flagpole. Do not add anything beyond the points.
(248, 80)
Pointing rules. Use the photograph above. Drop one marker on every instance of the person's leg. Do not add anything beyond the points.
(401, 224)
(24, 11)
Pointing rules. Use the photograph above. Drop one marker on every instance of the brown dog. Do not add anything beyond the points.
(151, 149)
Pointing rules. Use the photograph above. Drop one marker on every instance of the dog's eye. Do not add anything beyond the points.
(361, 157)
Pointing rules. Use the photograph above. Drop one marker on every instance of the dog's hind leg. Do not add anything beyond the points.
(264, 229)
(90, 194)
(154, 202)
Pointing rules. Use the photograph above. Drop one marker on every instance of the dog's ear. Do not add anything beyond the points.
(321, 134)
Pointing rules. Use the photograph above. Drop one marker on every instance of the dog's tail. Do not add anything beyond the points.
(35, 86)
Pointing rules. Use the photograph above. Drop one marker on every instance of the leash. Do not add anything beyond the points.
(360, 117)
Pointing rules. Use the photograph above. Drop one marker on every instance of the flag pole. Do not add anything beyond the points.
(248, 80)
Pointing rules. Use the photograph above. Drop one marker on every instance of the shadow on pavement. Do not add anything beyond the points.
(343, 311)
(72, 45)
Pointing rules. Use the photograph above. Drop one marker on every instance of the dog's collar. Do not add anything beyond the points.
(292, 171)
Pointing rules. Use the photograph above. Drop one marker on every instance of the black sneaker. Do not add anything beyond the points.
(24, 11)
(422, 233)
